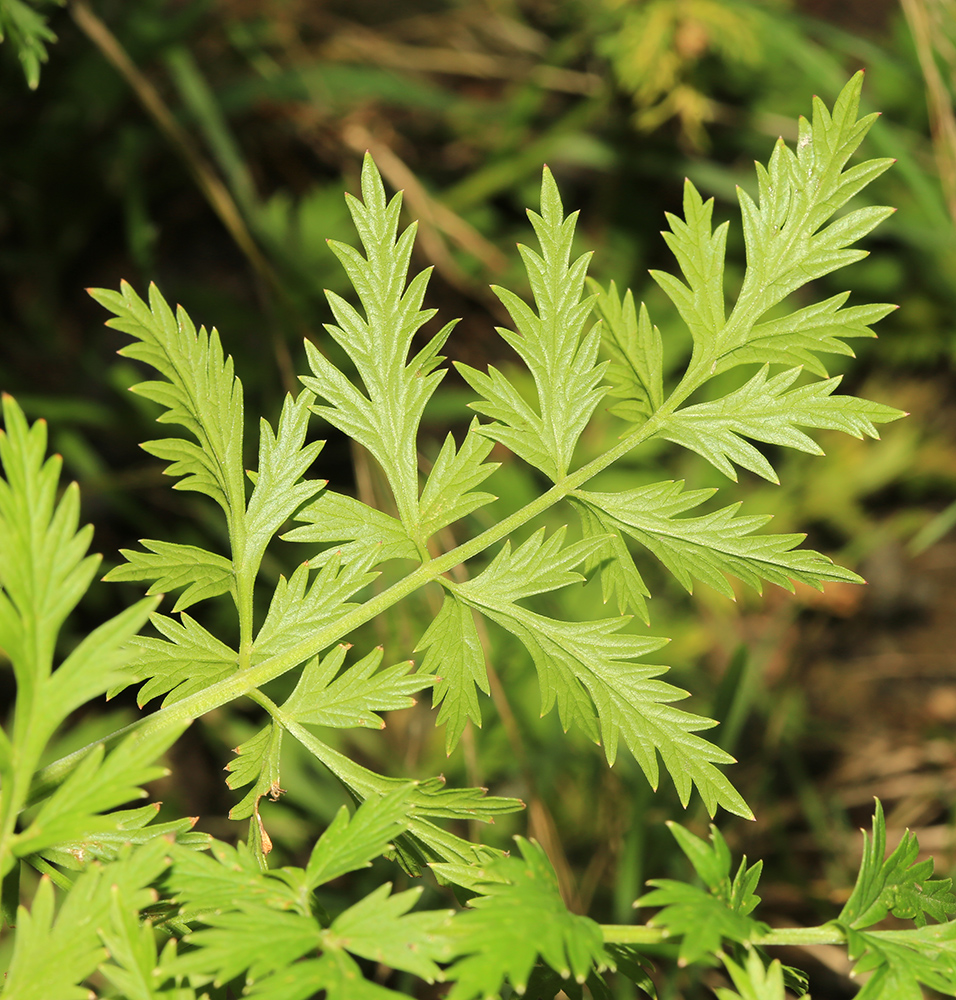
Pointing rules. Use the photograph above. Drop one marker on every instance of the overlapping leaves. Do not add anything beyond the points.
(518, 918)
(44, 571)
(900, 960)
(703, 917)
(587, 669)
(268, 928)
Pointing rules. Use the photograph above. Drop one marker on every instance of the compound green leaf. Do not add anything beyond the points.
(754, 980)
(900, 884)
(251, 941)
(171, 566)
(337, 975)
(384, 418)
(188, 659)
(425, 842)
(78, 810)
(53, 955)
(449, 493)
(227, 878)
(44, 568)
(764, 410)
(791, 239)
(454, 655)
(554, 344)
(327, 695)
(29, 33)
(131, 943)
(702, 921)
(127, 826)
(796, 338)
(257, 764)
(280, 490)
(637, 353)
(353, 842)
(620, 580)
(299, 608)
(709, 547)
(99, 663)
(587, 668)
(519, 918)
(380, 929)
(699, 250)
(538, 565)
(903, 961)
(712, 863)
(335, 517)
(704, 917)
(201, 393)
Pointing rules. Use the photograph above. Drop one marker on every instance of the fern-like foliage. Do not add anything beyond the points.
(22, 22)
(230, 922)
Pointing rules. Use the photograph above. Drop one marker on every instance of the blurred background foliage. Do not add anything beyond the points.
(206, 145)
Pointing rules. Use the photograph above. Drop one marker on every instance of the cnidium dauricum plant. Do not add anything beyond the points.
(153, 911)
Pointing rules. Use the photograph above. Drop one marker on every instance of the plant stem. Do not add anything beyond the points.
(639, 934)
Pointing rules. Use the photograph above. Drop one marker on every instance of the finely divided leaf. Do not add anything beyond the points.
(430, 799)
(637, 353)
(764, 409)
(187, 660)
(44, 568)
(284, 458)
(553, 342)
(535, 567)
(127, 826)
(52, 956)
(449, 492)
(519, 918)
(131, 943)
(257, 763)
(705, 917)
(701, 920)
(900, 884)
(700, 254)
(200, 393)
(796, 338)
(799, 192)
(78, 810)
(299, 608)
(454, 655)
(384, 418)
(754, 980)
(587, 669)
(99, 663)
(712, 546)
(380, 929)
(337, 975)
(353, 842)
(335, 517)
(171, 566)
(790, 241)
(327, 695)
(620, 579)
(902, 961)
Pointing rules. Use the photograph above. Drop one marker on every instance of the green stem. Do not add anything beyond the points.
(639, 934)
(248, 679)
